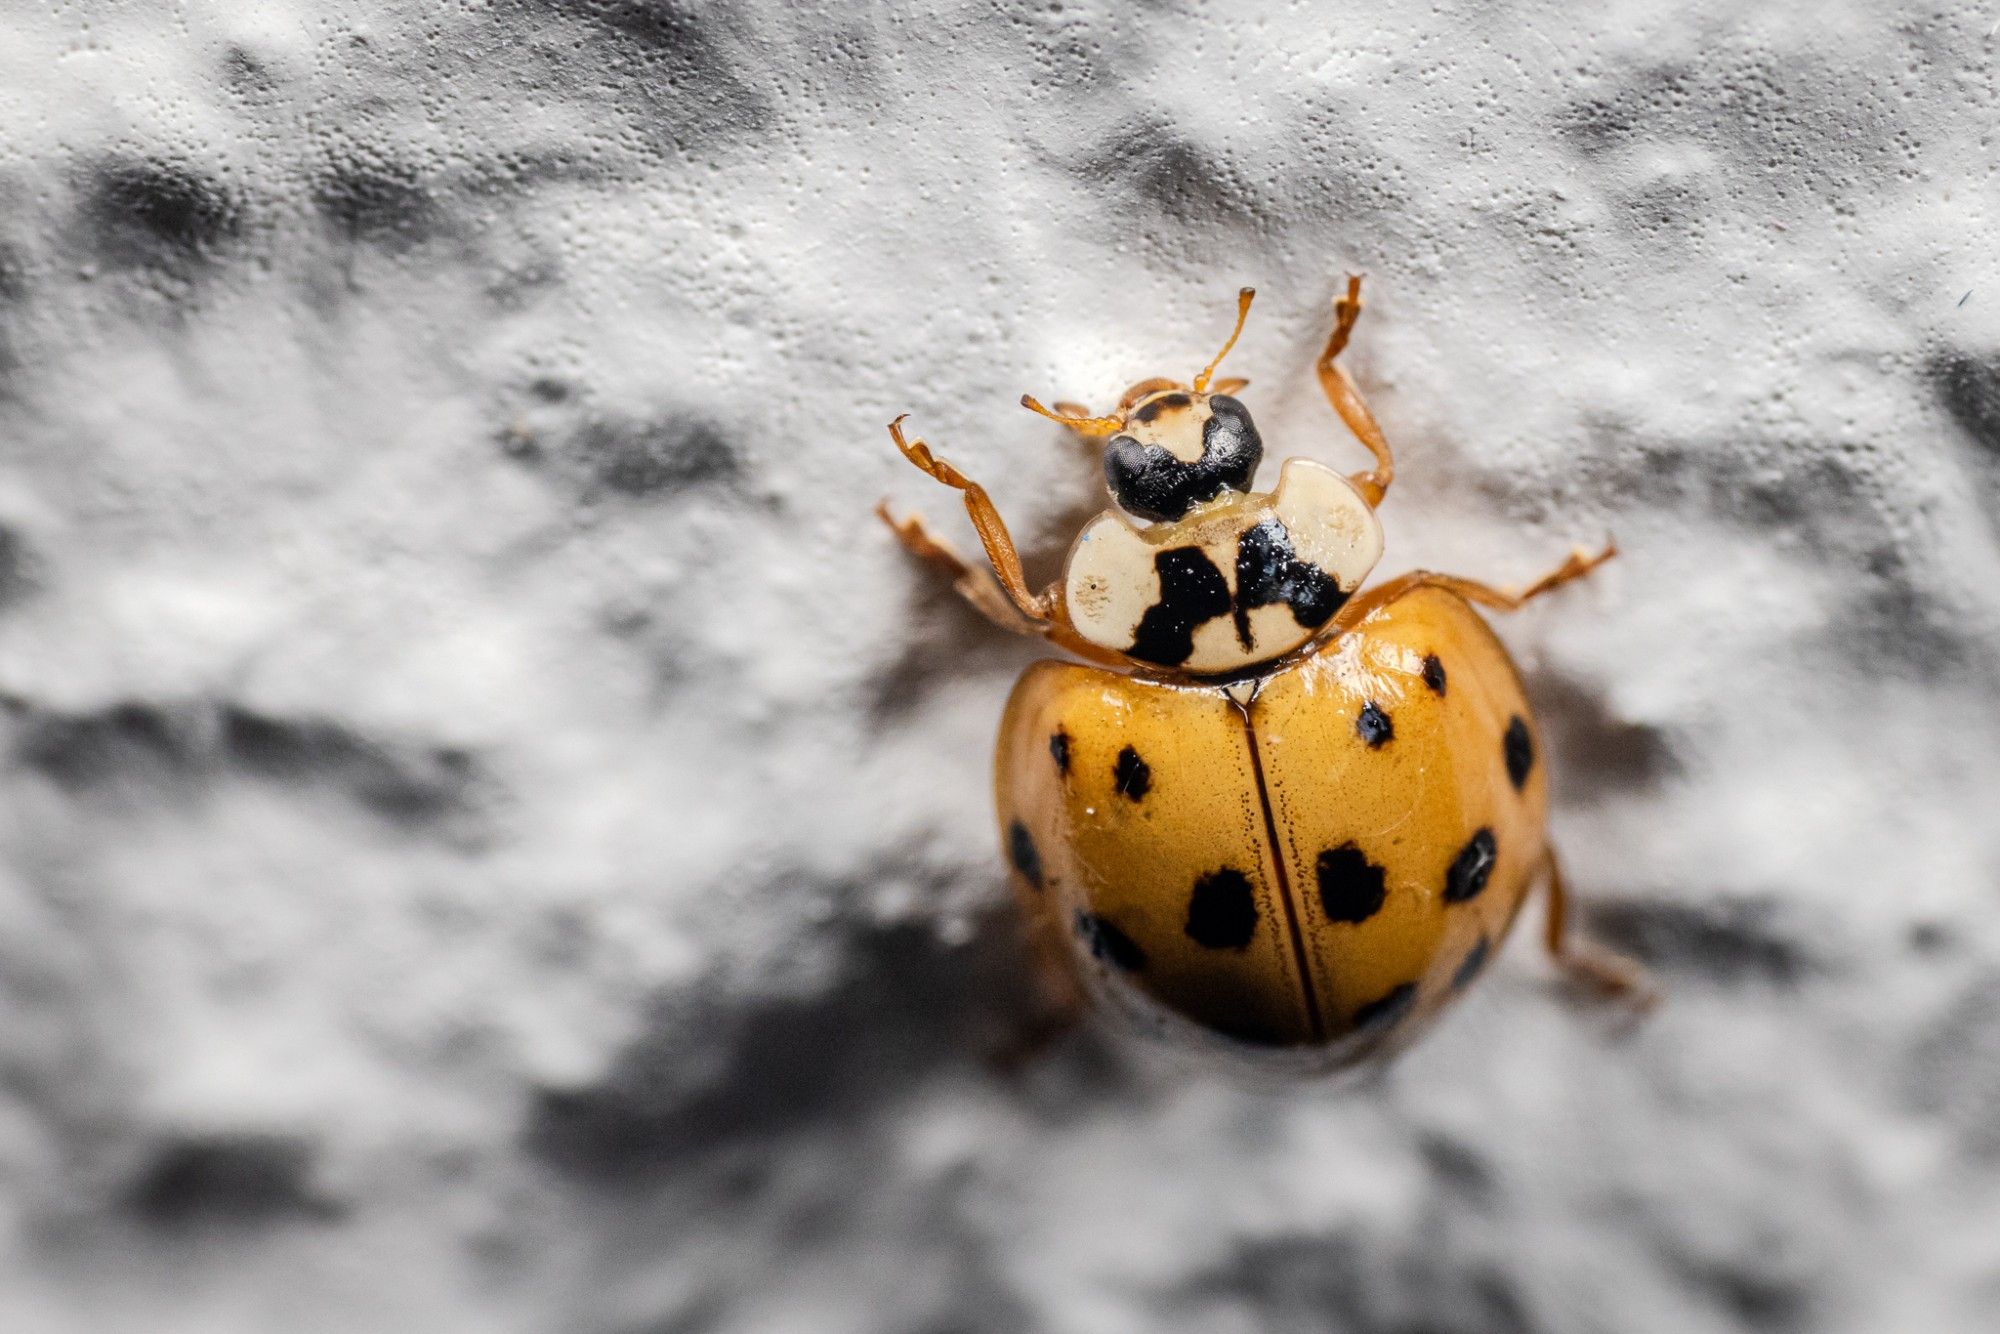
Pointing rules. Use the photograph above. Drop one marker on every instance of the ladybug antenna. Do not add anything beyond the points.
(1080, 424)
(1243, 300)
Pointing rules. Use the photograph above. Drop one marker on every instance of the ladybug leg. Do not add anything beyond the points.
(1593, 967)
(1346, 398)
(978, 587)
(1576, 565)
(1060, 1002)
(1001, 594)
(993, 534)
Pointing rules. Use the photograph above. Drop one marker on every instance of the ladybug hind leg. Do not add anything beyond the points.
(1576, 565)
(1592, 967)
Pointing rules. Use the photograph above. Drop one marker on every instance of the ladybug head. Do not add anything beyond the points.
(1175, 446)
(1178, 450)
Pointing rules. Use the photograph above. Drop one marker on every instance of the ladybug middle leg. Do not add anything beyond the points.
(1591, 966)
(1346, 399)
(1576, 565)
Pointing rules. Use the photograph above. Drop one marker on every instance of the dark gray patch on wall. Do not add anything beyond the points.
(381, 202)
(904, 1003)
(86, 748)
(413, 783)
(157, 213)
(1722, 939)
(1970, 387)
(688, 60)
(245, 1180)
(649, 458)
(137, 742)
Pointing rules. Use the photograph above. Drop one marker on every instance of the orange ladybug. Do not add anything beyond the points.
(1267, 810)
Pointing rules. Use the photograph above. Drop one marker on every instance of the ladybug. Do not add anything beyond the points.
(1267, 810)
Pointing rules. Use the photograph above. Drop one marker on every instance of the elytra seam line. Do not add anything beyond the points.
(1284, 880)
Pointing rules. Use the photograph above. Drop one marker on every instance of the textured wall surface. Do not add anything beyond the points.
(496, 838)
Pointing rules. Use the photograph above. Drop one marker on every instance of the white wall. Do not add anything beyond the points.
(498, 839)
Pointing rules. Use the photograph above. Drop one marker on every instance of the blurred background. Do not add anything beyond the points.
(496, 838)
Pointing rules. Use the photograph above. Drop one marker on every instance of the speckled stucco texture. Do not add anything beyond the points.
(497, 839)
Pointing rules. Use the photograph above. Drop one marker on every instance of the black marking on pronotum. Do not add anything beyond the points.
(1059, 748)
(1387, 1010)
(1192, 591)
(1471, 868)
(1153, 407)
(1131, 776)
(1351, 888)
(1468, 968)
(1434, 673)
(1021, 850)
(1373, 726)
(1269, 572)
(1108, 943)
(1519, 749)
(1222, 911)
(1148, 481)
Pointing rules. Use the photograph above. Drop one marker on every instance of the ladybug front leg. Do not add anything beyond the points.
(1591, 966)
(1001, 593)
(1346, 398)
(993, 534)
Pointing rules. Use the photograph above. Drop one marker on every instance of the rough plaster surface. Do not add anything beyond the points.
(496, 839)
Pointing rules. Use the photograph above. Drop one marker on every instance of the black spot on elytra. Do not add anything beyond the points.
(1518, 748)
(1192, 591)
(1109, 944)
(377, 201)
(1222, 911)
(1434, 673)
(1471, 966)
(148, 212)
(1471, 868)
(1059, 750)
(247, 1180)
(1386, 1011)
(1021, 851)
(1153, 407)
(1373, 726)
(1131, 776)
(1151, 483)
(1268, 572)
(1351, 888)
